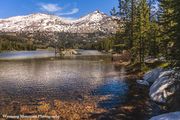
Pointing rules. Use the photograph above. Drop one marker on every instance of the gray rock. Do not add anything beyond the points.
(163, 88)
(166, 73)
(167, 116)
(152, 75)
(151, 60)
(142, 82)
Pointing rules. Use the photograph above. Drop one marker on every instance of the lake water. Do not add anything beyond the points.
(15, 55)
(87, 85)
(26, 54)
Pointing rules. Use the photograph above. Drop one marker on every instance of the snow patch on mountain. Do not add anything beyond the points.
(93, 22)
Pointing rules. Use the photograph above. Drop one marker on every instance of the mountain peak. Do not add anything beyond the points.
(97, 11)
(93, 22)
(41, 15)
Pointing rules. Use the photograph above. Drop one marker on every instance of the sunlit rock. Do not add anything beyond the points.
(69, 52)
(168, 116)
(166, 73)
(151, 60)
(163, 89)
(143, 82)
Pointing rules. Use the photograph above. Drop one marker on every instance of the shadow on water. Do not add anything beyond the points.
(115, 91)
(135, 105)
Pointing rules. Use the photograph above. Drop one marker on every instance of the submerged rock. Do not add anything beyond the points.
(167, 116)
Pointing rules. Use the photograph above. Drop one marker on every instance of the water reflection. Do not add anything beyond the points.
(72, 88)
(117, 91)
(26, 81)
(26, 54)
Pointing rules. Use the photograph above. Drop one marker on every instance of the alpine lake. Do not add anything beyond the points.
(87, 86)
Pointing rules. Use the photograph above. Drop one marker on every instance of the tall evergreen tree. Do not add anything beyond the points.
(167, 25)
(142, 27)
(177, 29)
(113, 12)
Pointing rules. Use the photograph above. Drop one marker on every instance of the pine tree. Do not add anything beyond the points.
(169, 19)
(141, 33)
(167, 23)
(113, 12)
(176, 16)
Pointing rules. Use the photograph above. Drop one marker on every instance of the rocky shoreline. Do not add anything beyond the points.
(164, 87)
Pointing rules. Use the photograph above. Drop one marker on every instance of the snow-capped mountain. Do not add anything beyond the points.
(91, 23)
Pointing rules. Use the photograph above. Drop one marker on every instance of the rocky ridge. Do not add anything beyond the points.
(91, 23)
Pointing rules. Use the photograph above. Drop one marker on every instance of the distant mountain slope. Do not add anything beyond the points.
(91, 23)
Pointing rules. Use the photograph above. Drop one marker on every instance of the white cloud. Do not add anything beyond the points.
(73, 11)
(58, 10)
(50, 7)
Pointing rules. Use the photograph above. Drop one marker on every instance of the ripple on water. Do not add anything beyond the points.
(58, 76)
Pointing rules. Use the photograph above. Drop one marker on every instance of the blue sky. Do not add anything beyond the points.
(64, 8)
